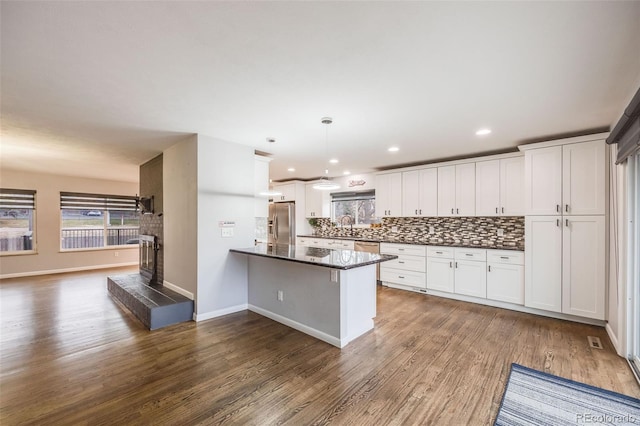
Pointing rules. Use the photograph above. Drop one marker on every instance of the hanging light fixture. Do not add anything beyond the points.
(325, 183)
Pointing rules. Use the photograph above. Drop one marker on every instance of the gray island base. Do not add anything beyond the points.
(325, 293)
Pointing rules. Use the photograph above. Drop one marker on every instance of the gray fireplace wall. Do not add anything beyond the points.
(153, 224)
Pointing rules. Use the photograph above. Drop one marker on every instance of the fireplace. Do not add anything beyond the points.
(149, 258)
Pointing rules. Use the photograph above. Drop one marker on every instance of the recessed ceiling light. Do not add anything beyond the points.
(291, 169)
(334, 161)
(393, 149)
(346, 172)
(483, 132)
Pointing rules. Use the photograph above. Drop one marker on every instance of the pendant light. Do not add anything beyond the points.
(325, 183)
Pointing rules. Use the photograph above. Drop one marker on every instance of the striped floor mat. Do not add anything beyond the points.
(536, 398)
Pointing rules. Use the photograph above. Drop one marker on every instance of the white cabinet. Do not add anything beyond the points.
(543, 181)
(406, 271)
(583, 273)
(317, 202)
(420, 193)
(470, 275)
(389, 194)
(500, 187)
(583, 178)
(457, 190)
(543, 263)
(440, 271)
(343, 244)
(568, 179)
(505, 276)
(288, 192)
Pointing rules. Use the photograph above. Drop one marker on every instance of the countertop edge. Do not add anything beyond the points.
(309, 262)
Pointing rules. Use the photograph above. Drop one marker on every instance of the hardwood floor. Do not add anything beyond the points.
(71, 355)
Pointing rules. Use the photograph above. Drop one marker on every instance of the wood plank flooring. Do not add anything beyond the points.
(70, 355)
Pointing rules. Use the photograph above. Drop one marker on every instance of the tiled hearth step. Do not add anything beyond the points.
(154, 305)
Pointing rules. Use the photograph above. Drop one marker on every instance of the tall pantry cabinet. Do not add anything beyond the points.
(565, 196)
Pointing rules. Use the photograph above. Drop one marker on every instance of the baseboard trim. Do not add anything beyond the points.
(63, 270)
(219, 312)
(178, 290)
(300, 327)
(613, 338)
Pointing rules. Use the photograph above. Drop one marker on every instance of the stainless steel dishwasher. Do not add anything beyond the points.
(369, 247)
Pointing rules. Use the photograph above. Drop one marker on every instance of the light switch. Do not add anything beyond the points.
(226, 232)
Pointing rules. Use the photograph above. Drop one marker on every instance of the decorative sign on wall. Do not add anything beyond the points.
(360, 182)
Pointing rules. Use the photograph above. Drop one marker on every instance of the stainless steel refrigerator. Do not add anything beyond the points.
(281, 223)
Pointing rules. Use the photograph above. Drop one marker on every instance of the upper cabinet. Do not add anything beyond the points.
(568, 179)
(289, 192)
(457, 190)
(389, 194)
(317, 203)
(420, 193)
(500, 187)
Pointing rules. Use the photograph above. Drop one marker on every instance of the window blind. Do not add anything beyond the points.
(352, 196)
(17, 199)
(79, 201)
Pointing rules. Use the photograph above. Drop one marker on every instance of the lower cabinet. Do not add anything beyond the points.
(408, 270)
(440, 273)
(470, 272)
(505, 276)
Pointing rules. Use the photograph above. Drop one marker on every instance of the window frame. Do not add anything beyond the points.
(104, 203)
(354, 197)
(34, 218)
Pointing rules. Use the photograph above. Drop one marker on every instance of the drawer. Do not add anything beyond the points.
(410, 249)
(302, 241)
(479, 255)
(436, 251)
(343, 244)
(408, 278)
(505, 256)
(408, 263)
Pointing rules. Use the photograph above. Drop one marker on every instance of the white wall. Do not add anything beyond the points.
(225, 193)
(49, 258)
(180, 201)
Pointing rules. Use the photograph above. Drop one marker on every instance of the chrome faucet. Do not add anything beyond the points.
(349, 222)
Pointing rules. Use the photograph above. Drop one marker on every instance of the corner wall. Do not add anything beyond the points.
(49, 258)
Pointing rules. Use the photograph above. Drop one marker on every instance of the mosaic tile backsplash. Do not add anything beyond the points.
(476, 231)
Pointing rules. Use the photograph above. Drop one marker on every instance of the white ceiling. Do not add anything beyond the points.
(96, 88)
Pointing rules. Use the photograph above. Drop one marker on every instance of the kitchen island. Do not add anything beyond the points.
(328, 294)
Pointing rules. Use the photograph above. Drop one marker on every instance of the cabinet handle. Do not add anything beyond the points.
(468, 254)
(566, 222)
(400, 249)
(558, 208)
(504, 257)
(400, 276)
(503, 210)
(438, 252)
(496, 210)
(489, 268)
(557, 222)
(457, 211)
(420, 211)
(450, 264)
(451, 211)
(400, 261)
(456, 265)
(416, 211)
(566, 208)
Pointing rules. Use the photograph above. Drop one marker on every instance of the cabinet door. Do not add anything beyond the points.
(382, 195)
(543, 263)
(512, 186)
(583, 178)
(505, 283)
(395, 194)
(488, 188)
(543, 181)
(428, 192)
(440, 274)
(288, 193)
(583, 282)
(317, 203)
(466, 189)
(411, 193)
(470, 278)
(447, 191)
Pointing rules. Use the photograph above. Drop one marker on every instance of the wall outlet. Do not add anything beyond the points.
(394, 229)
(432, 230)
(280, 295)
(116, 254)
(500, 232)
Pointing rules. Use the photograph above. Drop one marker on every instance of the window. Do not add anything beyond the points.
(17, 220)
(95, 220)
(359, 206)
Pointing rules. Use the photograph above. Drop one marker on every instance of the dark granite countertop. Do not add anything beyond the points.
(425, 242)
(330, 258)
